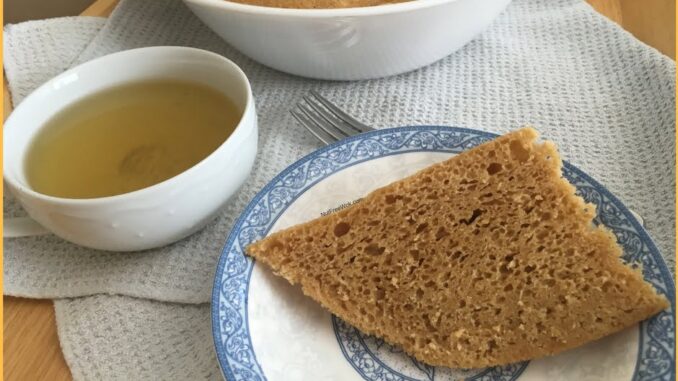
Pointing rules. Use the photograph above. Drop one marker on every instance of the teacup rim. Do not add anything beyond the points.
(26, 190)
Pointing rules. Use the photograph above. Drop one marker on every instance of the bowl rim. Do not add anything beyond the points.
(33, 97)
(383, 9)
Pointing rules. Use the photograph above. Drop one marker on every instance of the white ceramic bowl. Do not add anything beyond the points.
(350, 43)
(153, 216)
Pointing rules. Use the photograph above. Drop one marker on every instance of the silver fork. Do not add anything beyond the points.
(327, 122)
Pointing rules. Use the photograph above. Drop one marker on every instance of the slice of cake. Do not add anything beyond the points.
(485, 259)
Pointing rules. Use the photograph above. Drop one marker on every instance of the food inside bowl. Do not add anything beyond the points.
(317, 4)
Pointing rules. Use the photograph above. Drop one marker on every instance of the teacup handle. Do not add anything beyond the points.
(22, 227)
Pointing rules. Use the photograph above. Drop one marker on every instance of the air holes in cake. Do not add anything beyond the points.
(530, 268)
(491, 346)
(441, 233)
(390, 199)
(462, 303)
(284, 262)
(276, 245)
(341, 249)
(341, 229)
(432, 196)
(374, 249)
(546, 216)
(519, 152)
(429, 325)
(421, 228)
(421, 260)
(606, 286)
(549, 282)
(540, 327)
(491, 201)
(493, 168)
(508, 287)
(476, 213)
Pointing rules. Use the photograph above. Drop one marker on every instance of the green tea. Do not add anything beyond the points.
(128, 137)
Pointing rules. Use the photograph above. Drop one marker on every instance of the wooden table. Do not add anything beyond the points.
(31, 345)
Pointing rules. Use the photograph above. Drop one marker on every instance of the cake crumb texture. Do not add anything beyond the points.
(485, 259)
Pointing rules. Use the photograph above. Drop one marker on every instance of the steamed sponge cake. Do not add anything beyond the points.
(485, 259)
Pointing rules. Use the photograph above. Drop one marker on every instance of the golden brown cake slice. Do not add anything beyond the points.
(485, 259)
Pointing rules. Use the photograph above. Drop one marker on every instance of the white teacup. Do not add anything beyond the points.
(152, 216)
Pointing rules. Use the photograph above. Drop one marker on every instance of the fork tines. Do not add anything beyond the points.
(324, 120)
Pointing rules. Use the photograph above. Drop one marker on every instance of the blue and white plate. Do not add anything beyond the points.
(265, 329)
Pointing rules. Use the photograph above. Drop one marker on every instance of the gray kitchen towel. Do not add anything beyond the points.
(38, 50)
(604, 97)
(112, 337)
